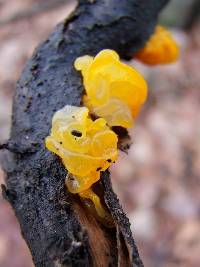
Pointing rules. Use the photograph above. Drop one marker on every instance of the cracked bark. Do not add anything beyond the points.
(56, 226)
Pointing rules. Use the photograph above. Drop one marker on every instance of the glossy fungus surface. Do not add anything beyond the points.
(160, 49)
(115, 91)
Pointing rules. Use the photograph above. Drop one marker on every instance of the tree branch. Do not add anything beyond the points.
(58, 229)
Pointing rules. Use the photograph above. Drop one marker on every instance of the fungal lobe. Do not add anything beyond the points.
(115, 91)
(160, 49)
(86, 155)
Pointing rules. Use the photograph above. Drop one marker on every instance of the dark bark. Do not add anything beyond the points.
(56, 226)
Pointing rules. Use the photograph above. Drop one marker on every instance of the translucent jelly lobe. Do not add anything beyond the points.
(114, 90)
(160, 49)
(86, 148)
(83, 145)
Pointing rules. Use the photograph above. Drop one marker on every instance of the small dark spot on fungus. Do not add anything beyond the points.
(93, 116)
(98, 169)
(61, 143)
(76, 133)
(109, 160)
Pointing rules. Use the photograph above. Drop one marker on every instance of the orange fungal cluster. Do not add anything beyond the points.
(114, 95)
(160, 49)
(86, 148)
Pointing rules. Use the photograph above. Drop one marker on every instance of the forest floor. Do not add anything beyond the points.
(158, 182)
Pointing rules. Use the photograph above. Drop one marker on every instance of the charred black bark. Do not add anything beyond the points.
(54, 223)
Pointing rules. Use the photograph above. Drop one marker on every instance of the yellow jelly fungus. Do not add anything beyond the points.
(160, 49)
(86, 148)
(89, 194)
(114, 90)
